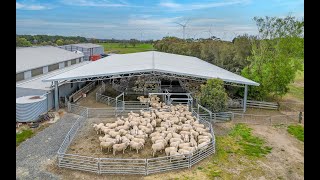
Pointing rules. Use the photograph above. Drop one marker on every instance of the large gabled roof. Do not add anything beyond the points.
(151, 61)
(28, 58)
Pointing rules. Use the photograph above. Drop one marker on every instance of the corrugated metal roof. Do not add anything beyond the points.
(85, 45)
(34, 57)
(152, 61)
(37, 83)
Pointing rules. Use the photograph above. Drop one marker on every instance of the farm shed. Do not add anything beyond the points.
(151, 63)
(88, 49)
(36, 87)
(34, 61)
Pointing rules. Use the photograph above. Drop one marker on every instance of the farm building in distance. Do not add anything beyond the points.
(34, 64)
(88, 49)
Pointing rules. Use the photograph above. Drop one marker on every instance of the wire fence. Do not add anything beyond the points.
(128, 166)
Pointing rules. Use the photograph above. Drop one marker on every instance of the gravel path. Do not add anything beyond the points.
(32, 154)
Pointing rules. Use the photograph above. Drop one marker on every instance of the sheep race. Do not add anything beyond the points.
(164, 130)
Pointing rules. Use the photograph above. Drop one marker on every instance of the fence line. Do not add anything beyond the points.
(77, 95)
(128, 166)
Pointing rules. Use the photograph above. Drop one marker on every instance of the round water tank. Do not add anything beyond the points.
(28, 108)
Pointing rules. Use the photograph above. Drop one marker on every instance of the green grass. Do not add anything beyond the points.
(238, 148)
(297, 131)
(249, 145)
(297, 91)
(117, 48)
(25, 134)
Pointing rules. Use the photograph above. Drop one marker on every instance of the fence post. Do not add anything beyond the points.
(270, 120)
(189, 161)
(99, 170)
(300, 117)
(146, 166)
(215, 116)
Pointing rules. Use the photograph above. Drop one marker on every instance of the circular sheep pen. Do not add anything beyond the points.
(164, 138)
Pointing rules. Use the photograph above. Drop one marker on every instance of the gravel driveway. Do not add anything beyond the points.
(32, 153)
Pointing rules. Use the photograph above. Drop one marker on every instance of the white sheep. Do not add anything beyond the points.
(168, 149)
(113, 133)
(120, 147)
(136, 145)
(139, 140)
(181, 145)
(157, 147)
(97, 127)
(175, 139)
(175, 144)
(186, 152)
(106, 144)
(118, 138)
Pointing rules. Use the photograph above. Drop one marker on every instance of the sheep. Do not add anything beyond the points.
(161, 141)
(175, 135)
(175, 139)
(181, 145)
(124, 127)
(141, 136)
(118, 138)
(186, 138)
(97, 127)
(175, 144)
(124, 139)
(136, 145)
(157, 147)
(203, 140)
(139, 140)
(113, 133)
(200, 130)
(119, 122)
(133, 114)
(193, 142)
(104, 137)
(111, 125)
(183, 151)
(154, 123)
(203, 145)
(106, 144)
(119, 147)
(129, 136)
(123, 132)
(168, 149)
(207, 134)
(191, 149)
(153, 139)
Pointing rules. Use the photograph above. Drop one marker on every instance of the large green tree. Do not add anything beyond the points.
(276, 56)
(213, 95)
(22, 42)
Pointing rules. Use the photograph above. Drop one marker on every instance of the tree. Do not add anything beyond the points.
(213, 95)
(22, 42)
(60, 42)
(276, 56)
(133, 42)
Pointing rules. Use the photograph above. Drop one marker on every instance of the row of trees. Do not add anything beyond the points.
(272, 58)
(228, 55)
(42, 40)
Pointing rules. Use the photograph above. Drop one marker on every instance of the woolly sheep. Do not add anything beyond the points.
(106, 144)
(168, 149)
(136, 145)
(119, 147)
(157, 147)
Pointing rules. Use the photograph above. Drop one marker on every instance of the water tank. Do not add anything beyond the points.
(28, 108)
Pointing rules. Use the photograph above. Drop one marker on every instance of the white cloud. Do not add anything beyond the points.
(96, 3)
(31, 7)
(42, 23)
(195, 6)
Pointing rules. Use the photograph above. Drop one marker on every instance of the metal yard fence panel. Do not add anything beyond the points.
(135, 105)
(105, 99)
(127, 166)
(122, 166)
(101, 112)
(262, 104)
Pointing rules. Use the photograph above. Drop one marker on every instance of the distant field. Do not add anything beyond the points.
(117, 48)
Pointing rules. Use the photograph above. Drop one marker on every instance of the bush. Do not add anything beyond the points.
(213, 95)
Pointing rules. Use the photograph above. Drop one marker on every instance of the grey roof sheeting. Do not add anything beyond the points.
(151, 61)
(28, 58)
(37, 83)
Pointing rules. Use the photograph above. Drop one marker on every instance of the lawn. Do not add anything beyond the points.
(118, 48)
(297, 131)
(23, 135)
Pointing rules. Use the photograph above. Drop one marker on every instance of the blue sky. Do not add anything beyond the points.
(148, 19)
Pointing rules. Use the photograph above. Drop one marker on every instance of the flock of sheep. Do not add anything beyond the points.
(172, 129)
